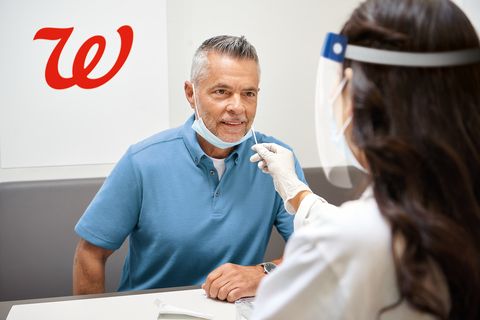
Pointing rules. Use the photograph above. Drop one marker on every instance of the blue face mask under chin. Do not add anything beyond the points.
(200, 128)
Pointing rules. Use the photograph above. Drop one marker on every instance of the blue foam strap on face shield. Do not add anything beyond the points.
(334, 47)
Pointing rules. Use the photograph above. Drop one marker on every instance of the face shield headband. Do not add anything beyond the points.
(328, 102)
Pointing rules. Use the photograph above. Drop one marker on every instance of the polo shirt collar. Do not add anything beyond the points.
(197, 154)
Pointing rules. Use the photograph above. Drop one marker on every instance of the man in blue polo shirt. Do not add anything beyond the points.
(196, 209)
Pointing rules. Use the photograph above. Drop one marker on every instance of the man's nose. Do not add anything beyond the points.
(235, 104)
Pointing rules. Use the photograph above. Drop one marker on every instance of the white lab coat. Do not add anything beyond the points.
(339, 266)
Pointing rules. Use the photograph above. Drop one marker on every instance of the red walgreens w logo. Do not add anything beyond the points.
(80, 72)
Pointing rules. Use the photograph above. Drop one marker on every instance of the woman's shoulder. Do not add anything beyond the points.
(356, 228)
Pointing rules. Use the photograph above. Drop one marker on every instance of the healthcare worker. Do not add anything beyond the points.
(399, 97)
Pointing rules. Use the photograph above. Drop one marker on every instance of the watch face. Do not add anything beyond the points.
(269, 266)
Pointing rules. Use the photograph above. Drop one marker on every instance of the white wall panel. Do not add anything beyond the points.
(82, 122)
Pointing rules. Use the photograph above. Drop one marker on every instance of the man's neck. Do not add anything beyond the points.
(212, 151)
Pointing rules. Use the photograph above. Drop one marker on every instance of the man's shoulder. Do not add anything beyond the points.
(166, 138)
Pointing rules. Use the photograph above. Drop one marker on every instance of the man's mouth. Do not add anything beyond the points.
(233, 123)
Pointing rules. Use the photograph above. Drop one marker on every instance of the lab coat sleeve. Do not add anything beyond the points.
(304, 215)
(315, 293)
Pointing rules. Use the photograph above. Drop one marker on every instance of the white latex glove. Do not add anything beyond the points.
(279, 162)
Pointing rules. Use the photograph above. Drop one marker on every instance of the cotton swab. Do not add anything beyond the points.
(254, 136)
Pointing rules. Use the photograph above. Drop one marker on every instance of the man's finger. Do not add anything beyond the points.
(214, 275)
(224, 291)
(231, 282)
(220, 287)
(234, 295)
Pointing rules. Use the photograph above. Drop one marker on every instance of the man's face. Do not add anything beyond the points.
(227, 96)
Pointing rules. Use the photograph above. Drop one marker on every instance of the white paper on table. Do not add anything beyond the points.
(171, 312)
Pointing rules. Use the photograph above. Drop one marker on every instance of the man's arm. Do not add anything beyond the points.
(231, 281)
(89, 268)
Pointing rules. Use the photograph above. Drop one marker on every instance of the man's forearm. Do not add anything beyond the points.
(277, 261)
(89, 268)
(88, 277)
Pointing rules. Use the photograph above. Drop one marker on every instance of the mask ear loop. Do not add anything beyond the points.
(345, 125)
(197, 114)
(339, 89)
(334, 98)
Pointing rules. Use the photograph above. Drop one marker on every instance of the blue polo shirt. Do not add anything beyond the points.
(182, 221)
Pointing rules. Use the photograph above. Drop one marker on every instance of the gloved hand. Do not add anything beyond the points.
(279, 162)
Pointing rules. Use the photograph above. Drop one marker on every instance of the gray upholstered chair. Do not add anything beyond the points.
(38, 241)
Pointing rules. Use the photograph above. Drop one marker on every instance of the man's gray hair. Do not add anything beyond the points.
(231, 46)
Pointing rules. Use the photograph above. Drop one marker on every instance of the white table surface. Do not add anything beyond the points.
(138, 306)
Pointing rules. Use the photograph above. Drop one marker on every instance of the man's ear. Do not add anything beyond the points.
(189, 93)
(348, 97)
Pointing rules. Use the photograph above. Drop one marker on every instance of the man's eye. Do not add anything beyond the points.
(250, 94)
(220, 91)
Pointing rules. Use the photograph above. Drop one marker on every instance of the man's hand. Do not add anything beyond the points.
(231, 282)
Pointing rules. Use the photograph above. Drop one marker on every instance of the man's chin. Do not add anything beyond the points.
(231, 138)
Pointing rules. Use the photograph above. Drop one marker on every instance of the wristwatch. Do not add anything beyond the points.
(268, 266)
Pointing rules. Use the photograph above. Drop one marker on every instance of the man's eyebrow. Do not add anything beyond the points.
(226, 86)
(221, 85)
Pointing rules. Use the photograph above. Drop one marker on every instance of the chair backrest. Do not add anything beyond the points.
(38, 241)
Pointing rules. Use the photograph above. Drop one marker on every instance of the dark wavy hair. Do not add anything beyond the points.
(420, 131)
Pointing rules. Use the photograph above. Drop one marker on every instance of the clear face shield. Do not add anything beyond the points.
(329, 110)
(333, 115)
